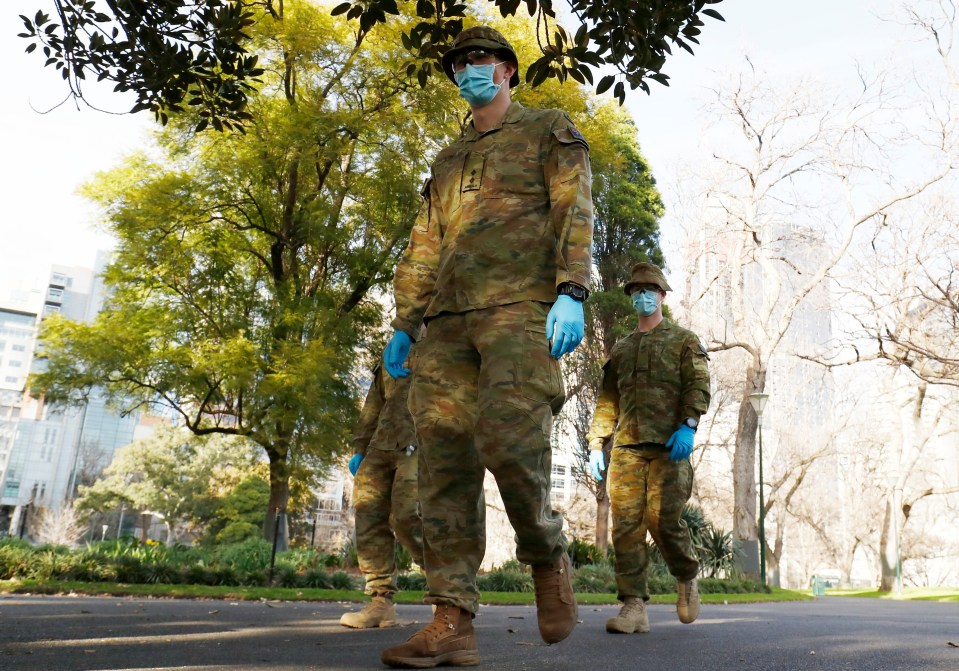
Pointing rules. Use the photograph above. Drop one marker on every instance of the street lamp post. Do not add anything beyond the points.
(758, 401)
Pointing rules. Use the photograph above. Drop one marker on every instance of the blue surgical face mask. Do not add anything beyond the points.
(476, 84)
(645, 302)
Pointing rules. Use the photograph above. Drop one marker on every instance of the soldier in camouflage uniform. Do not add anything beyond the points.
(655, 388)
(384, 495)
(497, 264)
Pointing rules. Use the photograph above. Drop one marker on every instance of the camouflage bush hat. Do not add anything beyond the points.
(646, 273)
(480, 37)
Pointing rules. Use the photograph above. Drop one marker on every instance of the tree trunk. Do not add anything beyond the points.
(744, 462)
(279, 498)
(602, 518)
(773, 578)
(888, 550)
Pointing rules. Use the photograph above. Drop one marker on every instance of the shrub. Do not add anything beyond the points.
(285, 575)
(253, 554)
(582, 553)
(199, 574)
(131, 569)
(226, 575)
(403, 558)
(348, 556)
(301, 558)
(162, 572)
(342, 580)
(411, 582)
(237, 532)
(255, 578)
(595, 578)
(731, 586)
(505, 580)
(659, 584)
(317, 578)
(716, 552)
(84, 569)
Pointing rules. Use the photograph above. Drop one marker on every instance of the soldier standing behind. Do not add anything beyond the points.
(498, 263)
(384, 495)
(655, 388)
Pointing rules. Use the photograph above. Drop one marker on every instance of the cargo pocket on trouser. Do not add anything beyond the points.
(540, 377)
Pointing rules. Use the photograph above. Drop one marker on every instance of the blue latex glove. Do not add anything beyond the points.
(355, 462)
(394, 356)
(597, 464)
(681, 443)
(566, 319)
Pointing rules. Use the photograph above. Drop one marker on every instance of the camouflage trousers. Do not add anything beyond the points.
(647, 492)
(384, 494)
(484, 392)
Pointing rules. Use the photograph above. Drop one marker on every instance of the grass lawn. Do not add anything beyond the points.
(944, 594)
(293, 594)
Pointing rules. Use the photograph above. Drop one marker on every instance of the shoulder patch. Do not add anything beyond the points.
(702, 350)
(570, 136)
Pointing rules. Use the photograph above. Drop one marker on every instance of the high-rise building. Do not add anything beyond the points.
(47, 452)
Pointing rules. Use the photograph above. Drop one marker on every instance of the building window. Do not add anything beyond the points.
(558, 484)
(12, 380)
(14, 363)
(18, 348)
(559, 470)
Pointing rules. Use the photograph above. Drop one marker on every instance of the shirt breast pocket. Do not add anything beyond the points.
(448, 173)
(513, 175)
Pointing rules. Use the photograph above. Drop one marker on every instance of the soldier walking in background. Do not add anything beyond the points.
(384, 495)
(655, 388)
(497, 264)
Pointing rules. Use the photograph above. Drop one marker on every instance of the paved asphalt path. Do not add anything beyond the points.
(44, 633)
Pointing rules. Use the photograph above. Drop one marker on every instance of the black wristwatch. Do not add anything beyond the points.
(574, 291)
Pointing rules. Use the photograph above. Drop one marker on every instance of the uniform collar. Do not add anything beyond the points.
(514, 113)
(664, 325)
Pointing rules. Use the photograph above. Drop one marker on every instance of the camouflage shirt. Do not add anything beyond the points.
(385, 420)
(651, 383)
(507, 216)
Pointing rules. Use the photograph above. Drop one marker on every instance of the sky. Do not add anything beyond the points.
(46, 154)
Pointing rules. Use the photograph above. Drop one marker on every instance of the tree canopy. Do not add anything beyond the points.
(199, 54)
(175, 475)
(240, 287)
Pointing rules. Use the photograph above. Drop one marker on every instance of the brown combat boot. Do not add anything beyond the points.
(555, 602)
(448, 640)
(687, 600)
(378, 613)
(632, 618)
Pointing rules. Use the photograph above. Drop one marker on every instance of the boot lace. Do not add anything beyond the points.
(442, 624)
(632, 607)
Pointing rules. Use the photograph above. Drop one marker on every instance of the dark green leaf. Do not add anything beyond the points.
(604, 84)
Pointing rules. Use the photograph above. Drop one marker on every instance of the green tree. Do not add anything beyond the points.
(179, 54)
(239, 515)
(240, 288)
(171, 473)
